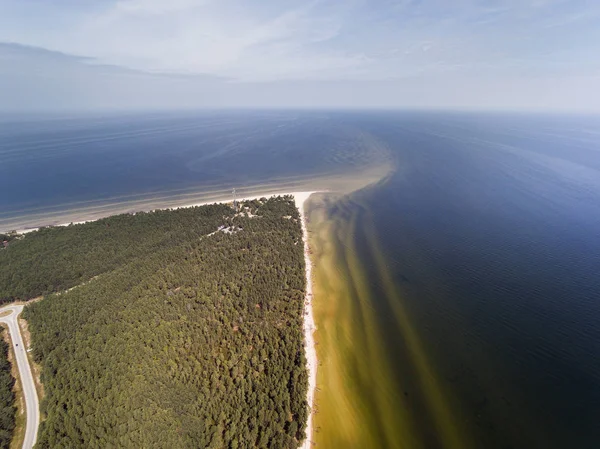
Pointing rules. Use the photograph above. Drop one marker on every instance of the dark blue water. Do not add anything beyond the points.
(49, 162)
(490, 225)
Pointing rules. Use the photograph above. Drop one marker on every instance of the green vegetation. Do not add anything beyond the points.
(5, 239)
(7, 397)
(54, 259)
(183, 336)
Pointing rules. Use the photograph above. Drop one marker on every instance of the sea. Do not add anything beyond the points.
(465, 311)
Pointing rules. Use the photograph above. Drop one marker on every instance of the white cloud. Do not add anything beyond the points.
(219, 37)
(330, 40)
(154, 7)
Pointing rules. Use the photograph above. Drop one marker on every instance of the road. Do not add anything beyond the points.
(29, 391)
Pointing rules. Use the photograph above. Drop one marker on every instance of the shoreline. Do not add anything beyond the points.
(301, 194)
(309, 322)
(308, 319)
(28, 220)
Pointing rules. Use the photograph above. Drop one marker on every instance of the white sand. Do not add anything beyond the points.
(222, 199)
(309, 322)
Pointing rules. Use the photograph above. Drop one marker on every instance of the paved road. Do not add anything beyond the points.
(29, 391)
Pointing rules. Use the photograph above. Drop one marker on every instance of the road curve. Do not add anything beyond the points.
(29, 391)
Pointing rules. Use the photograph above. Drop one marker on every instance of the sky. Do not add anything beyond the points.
(172, 54)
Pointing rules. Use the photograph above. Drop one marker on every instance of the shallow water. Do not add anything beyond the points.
(457, 299)
(474, 279)
(89, 164)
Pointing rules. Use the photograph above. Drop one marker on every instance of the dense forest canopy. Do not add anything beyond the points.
(7, 396)
(54, 259)
(184, 330)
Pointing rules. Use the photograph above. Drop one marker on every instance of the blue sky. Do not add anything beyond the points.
(474, 54)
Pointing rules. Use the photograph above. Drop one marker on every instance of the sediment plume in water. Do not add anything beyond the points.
(359, 401)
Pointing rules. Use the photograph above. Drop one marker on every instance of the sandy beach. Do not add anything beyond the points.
(309, 322)
(80, 217)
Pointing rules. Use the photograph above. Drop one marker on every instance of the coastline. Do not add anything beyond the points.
(28, 220)
(308, 323)
(221, 199)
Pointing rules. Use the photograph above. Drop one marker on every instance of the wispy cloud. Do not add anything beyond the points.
(319, 40)
(325, 39)
(221, 37)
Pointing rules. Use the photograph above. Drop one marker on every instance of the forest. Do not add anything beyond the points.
(7, 396)
(178, 329)
(54, 259)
